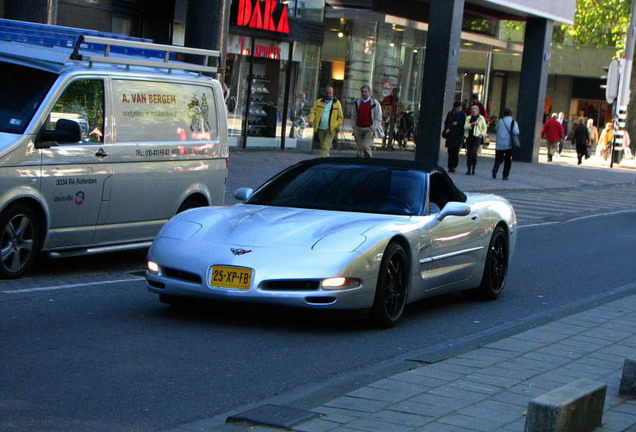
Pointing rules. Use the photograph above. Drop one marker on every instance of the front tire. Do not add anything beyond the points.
(496, 267)
(20, 240)
(188, 204)
(392, 287)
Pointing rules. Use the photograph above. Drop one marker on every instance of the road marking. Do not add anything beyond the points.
(69, 286)
(576, 219)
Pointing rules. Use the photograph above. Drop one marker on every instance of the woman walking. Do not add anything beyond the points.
(475, 130)
(507, 137)
(581, 138)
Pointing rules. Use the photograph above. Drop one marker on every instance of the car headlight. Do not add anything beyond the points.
(153, 267)
(340, 283)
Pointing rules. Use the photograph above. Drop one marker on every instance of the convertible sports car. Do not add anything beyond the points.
(339, 233)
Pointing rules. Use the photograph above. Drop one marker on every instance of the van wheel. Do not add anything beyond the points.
(188, 204)
(20, 240)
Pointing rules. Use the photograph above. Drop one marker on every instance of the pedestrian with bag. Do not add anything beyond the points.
(581, 139)
(454, 134)
(475, 130)
(507, 138)
(367, 122)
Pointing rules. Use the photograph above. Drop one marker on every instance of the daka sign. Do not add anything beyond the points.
(268, 15)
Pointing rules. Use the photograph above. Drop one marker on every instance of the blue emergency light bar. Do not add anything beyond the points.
(102, 47)
(67, 37)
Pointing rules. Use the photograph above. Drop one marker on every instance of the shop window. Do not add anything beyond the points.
(256, 83)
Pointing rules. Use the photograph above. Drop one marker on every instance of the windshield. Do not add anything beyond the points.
(22, 90)
(357, 188)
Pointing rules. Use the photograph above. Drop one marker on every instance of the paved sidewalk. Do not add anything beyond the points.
(488, 388)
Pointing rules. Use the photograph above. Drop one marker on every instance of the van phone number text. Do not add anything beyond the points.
(170, 152)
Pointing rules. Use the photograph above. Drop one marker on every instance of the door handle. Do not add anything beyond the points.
(475, 218)
(101, 153)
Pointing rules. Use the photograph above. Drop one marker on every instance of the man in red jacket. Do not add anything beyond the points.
(552, 132)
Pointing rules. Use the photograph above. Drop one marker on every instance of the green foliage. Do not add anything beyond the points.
(598, 23)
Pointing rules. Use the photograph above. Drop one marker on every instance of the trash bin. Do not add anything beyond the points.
(618, 155)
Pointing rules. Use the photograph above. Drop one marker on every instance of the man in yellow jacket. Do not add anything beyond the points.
(326, 117)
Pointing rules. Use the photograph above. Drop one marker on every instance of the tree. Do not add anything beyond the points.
(599, 23)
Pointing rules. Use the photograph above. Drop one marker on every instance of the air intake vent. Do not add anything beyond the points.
(182, 275)
(291, 285)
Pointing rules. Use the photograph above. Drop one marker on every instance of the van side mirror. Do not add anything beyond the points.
(453, 208)
(66, 131)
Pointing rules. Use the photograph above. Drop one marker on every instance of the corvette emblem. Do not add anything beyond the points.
(240, 251)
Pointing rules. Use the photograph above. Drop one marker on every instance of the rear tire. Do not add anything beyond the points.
(392, 287)
(20, 240)
(496, 266)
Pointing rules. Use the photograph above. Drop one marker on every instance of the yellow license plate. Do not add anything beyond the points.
(231, 277)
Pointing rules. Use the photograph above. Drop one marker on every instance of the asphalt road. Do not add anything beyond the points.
(81, 354)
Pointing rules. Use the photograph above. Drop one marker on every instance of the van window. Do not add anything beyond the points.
(160, 111)
(82, 102)
(22, 90)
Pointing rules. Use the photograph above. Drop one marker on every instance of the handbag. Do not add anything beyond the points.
(515, 137)
(445, 133)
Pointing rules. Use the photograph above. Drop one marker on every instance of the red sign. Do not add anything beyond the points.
(260, 15)
(271, 52)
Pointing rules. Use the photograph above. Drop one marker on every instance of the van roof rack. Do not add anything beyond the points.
(97, 47)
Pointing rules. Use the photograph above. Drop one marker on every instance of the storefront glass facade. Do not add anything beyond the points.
(386, 56)
(271, 71)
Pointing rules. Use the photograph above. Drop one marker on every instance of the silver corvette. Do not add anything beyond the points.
(339, 233)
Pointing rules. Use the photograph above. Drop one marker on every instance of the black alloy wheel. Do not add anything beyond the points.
(496, 267)
(392, 287)
(20, 240)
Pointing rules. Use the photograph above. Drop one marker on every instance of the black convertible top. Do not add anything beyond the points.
(385, 162)
(442, 187)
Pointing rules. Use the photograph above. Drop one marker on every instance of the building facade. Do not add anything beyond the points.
(280, 54)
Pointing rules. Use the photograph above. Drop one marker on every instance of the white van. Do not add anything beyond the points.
(99, 150)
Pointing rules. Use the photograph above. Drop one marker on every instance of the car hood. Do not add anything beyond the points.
(259, 226)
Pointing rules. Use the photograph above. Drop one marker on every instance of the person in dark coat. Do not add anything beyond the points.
(581, 138)
(454, 133)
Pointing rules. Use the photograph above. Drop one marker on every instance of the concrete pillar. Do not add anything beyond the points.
(532, 87)
(37, 11)
(440, 69)
(207, 26)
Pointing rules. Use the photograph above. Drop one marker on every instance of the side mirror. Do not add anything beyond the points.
(453, 208)
(243, 194)
(66, 131)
